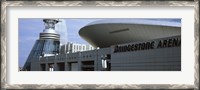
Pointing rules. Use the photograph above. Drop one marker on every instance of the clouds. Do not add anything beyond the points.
(61, 28)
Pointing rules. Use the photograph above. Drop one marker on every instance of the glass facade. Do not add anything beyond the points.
(42, 48)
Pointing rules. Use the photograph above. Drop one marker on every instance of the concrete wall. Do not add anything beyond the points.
(35, 66)
(157, 59)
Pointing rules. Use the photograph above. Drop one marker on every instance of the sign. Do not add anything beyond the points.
(172, 42)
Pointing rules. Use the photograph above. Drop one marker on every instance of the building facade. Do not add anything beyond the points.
(120, 49)
(71, 47)
(163, 55)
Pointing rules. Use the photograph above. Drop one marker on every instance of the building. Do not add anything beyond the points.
(71, 47)
(47, 45)
(124, 45)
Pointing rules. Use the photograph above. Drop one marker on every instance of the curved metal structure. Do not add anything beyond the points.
(105, 33)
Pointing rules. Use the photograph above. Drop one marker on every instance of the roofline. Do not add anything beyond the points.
(136, 22)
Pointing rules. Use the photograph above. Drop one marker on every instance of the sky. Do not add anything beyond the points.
(29, 29)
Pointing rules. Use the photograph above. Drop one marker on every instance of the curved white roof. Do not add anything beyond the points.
(104, 33)
(160, 22)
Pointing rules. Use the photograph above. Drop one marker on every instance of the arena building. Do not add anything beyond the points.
(121, 45)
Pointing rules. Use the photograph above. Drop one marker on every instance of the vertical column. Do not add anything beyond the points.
(55, 67)
(66, 59)
(46, 67)
(79, 66)
(96, 60)
(67, 66)
(79, 61)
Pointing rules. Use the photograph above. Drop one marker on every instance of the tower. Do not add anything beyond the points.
(47, 45)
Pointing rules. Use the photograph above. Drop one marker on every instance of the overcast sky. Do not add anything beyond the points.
(29, 30)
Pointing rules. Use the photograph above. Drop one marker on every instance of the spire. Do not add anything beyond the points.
(49, 31)
(50, 23)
